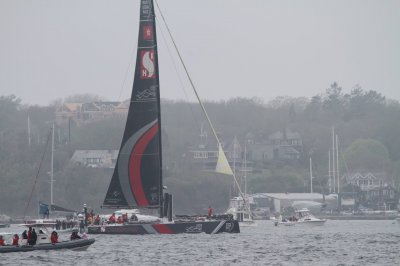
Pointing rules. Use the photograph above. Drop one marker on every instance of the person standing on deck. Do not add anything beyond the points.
(209, 212)
(29, 234)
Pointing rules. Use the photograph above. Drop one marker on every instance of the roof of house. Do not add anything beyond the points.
(294, 196)
(80, 155)
(281, 135)
(360, 176)
(71, 107)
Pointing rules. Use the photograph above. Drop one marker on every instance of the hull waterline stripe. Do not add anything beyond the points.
(149, 229)
(163, 229)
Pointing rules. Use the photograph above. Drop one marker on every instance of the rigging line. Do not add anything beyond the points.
(38, 171)
(179, 77)
(187, 74)
(126, 73)
(195, 91)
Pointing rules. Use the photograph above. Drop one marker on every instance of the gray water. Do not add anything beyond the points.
(335, 243)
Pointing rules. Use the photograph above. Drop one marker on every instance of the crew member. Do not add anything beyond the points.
(15, 240)
(75, 235)
(209, 212)
(29, 236)
(111, 220)
(2, 243)
(54, 237)
(24, 235)
(33, 238)
(97, 220)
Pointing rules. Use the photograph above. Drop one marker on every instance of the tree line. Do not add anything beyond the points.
(366, 122)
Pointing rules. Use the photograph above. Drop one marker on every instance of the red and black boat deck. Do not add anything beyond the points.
(208, 227)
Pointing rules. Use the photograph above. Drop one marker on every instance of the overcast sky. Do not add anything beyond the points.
(50, 49)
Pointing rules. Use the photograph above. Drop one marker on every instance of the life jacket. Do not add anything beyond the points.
(15, 241)
(54, 238)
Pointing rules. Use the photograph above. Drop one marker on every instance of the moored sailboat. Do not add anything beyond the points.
(137, 178)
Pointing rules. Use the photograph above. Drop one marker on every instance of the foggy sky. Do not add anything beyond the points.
(50, 49)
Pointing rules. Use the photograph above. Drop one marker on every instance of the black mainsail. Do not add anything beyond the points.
(137, 179)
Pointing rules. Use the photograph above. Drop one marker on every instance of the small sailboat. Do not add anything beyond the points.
(46, 210)
(137, 181)
(239, 206)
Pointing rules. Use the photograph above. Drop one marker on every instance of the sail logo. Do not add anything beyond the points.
(148, 32)
(146, 8)
(147, 64)
(147, 94)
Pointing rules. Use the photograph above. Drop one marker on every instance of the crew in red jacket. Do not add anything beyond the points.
(209, 213)
(54, 237)
(111, 220)
(15, 241)
(29, 234)
(2, 243)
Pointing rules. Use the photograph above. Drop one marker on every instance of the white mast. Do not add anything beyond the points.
(337, 164)
(311, 177)
(245, 170)
(333, 161)
(51, 169)
(329, 172)
(29, 131)
(234, 158)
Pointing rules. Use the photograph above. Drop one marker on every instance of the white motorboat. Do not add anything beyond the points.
(302, 216)
(43, 241)
(241, 212)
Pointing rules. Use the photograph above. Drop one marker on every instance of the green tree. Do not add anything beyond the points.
(367, 154)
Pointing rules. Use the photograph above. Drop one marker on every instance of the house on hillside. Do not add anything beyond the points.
(204, 153)
(372, 191)
(364, 181)
(68, 111)
(95, 158)
(92, 111)
(284, 145)
(381, 198)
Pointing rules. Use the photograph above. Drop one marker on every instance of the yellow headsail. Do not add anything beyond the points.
(223, 166)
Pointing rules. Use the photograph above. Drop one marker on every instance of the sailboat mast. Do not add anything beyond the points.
(337, 164)
(51, 168)
(234, 158)
(329, 172)
(29, 130)
(311, 176)
(245, 170)
(333, 159)
(161, 187)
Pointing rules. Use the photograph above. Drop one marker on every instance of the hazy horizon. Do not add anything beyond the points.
(53, 49)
